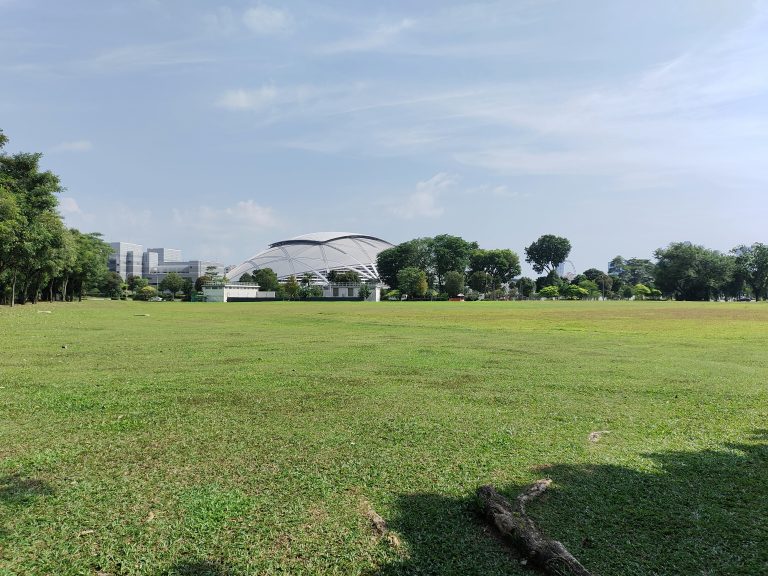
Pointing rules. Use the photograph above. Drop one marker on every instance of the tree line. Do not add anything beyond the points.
(446, 266)
(40, 258)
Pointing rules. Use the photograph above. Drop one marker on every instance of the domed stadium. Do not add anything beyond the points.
(318, 254)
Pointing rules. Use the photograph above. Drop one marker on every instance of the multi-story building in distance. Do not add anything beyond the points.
(126, 259)
(155, 263)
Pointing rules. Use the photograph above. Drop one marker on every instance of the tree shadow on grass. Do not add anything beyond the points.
(195, 567)
(16, 490)
(700, 512)
(447, 536)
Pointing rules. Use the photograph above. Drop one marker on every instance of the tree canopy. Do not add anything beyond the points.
(502, 265)
(37, 251)
(412, 281)
(266, 278)
(752, 267)
(547, 253)
(688, 271)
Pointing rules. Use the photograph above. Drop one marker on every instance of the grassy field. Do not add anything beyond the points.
(159, 438)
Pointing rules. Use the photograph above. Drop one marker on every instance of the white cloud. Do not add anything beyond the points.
(254, 100)
(222, 21)
(244, 215)
(265, 20)
(69, 205)
(143, 56)
(423, 202)
(377, 38)
(74, 146)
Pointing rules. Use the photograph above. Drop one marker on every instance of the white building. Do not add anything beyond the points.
(155, 263)
(318, 255)
(236, 293)
(126, 259)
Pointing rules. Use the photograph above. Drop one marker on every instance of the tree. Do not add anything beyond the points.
(113, 285)
(500, 265)
(574, 291)
(266, 279)
(173, 282)
(551, 279)
(616, 266)
(291, 287)
(187, 288)
(364, 292)
(412, 282)
(641, 291)
(89, 264)
(591, 288)
(307, 278)
(632, 271)
(213, 276)
(450, 253)
(136, 282)
(547, 253)
(549, 292)
(690, 272)
(454, 283)
(751, 266)
(416, 253)
(145, 293)
(31, 227)
(480, 281)
(601, 279)
(526, 287)
(310, 291)
(343, 277)
(245, 278)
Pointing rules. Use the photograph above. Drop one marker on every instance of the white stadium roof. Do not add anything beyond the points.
(317, 254)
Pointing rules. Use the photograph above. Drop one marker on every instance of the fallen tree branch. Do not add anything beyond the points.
(513, 521)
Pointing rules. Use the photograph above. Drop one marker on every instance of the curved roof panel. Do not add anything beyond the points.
(318, 254)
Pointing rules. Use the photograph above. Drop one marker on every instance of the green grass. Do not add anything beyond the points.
(251, 438)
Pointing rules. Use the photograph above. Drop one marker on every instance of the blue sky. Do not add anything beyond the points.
(218, 127)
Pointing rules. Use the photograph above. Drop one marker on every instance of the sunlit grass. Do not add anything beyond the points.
(249, 438)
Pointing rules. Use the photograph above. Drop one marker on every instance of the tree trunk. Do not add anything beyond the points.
(513, 521)
(13, 289)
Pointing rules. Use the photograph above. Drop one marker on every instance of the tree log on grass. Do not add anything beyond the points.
(513, 521)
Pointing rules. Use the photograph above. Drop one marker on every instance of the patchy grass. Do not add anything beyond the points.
(160, 438)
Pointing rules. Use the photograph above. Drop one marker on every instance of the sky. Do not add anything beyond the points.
(220, 127)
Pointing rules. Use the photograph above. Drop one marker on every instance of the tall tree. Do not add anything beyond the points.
(752, 263)
(416, 253)
(291, 287)
(266, 279)
(501, 265)
(547, 253)
(28, 201)
(112, 285)
(173, 283)
(450, 253)
(526, 286)
(604, 281)
(90, 264)
(412, 281)
(454, 283)
(690, 272)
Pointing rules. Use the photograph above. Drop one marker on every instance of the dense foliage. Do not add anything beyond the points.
(39, 256)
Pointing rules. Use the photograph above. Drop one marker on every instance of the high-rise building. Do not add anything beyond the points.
(126, 259)
(155, 263)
